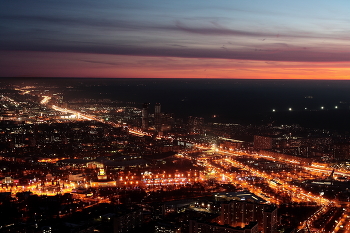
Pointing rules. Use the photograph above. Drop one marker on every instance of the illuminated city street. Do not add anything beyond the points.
(279, 182)
(211, 165)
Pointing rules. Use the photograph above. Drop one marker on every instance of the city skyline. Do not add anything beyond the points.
(154, 39)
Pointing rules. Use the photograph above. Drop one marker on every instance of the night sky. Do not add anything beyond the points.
(254, 39)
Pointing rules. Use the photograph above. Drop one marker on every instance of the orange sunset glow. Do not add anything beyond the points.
(53, 64)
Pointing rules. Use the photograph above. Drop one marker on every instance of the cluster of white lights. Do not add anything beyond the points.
(290, 109)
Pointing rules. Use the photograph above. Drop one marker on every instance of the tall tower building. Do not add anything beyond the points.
(157, 117)
(241, 213)
(270, 220)
(145, 116)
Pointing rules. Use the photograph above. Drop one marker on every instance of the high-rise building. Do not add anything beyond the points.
(145, 116)
(270, 220)
(263, 142)
(241, 213)
(157, 117)
(128, 219)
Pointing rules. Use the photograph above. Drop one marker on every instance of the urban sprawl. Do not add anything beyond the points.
(97, 165)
